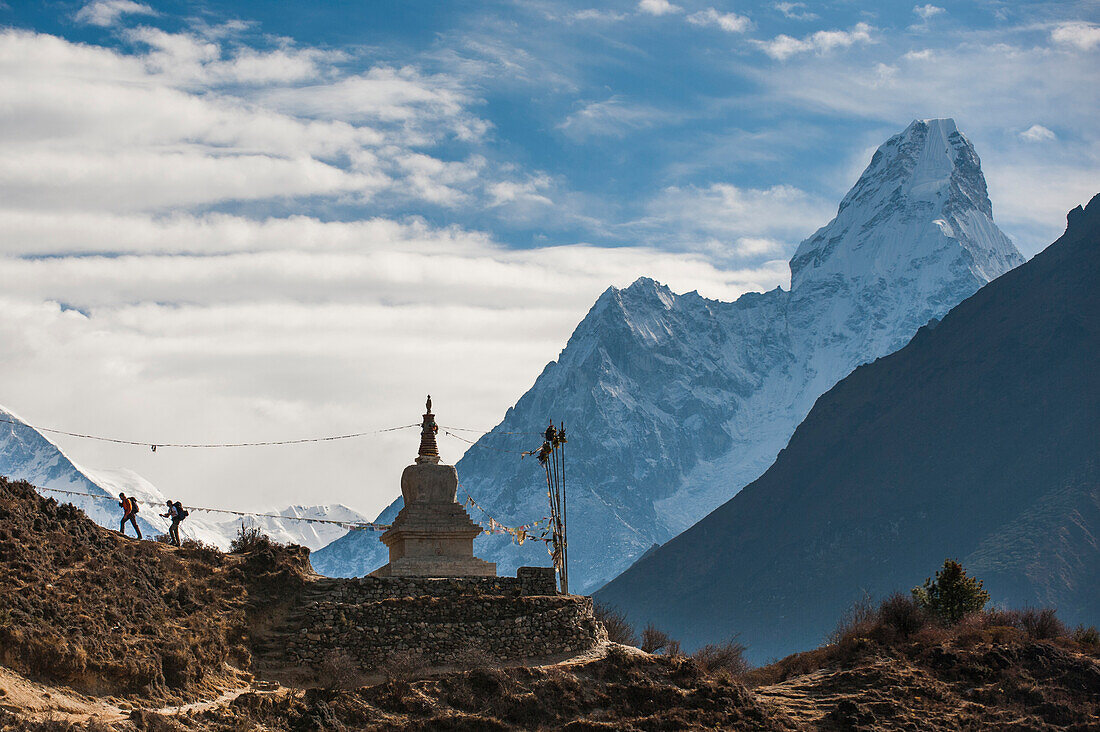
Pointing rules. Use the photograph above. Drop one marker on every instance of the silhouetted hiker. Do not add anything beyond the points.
(130, 509)
(181, 513)
(174, 514)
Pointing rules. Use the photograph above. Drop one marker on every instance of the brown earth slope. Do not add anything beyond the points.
(87, 617)
(106, 614)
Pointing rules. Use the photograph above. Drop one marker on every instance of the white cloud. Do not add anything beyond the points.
(189, 124)
(1031, 195)
(597, 15)
(106, 13)
(729, 22)
(1084, 36)
(796, 11)
(729, 222)
(199, 60)
(302, 328)
(528, 191)
(783, 46)
(658, 7)
(614, 117)
(112, 168)
(1038, 133)
(928, 11)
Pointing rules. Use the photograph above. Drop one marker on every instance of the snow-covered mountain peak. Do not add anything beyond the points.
(674, 402)
(621, 316)
(920, 205)
(648, 287)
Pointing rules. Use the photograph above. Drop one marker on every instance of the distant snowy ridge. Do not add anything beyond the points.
(26, 454)
(675, 402)
(311, 535)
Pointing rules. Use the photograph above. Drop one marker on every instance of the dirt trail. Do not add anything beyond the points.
(225, 698)
(31, 699)
(38, 701)
(799, 698)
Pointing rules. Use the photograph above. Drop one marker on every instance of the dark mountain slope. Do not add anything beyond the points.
(979, 440)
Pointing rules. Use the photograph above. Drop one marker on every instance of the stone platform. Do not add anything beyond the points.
(440, 621)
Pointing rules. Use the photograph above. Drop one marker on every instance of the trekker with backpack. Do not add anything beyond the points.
(130, 510)
(174, 510)
(181, 514)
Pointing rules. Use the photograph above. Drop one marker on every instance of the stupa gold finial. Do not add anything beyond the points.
(429, 451)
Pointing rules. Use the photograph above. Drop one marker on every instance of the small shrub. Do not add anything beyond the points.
(472, 657)
(206, 553)
(619, 629)
(901, 616)
(1042, 624)
(339, 670)
(658, 641)
(1000, 617)
(728, 656)
(404, 666)
(952, 595)
(1088, 637)
(858, 621)
(249, 539)
(970, 630)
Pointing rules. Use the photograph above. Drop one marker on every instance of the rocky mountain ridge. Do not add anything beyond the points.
(674, 402)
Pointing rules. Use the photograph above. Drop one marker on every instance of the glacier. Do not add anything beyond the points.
(674, 402)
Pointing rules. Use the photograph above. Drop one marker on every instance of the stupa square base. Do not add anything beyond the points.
(437, 567)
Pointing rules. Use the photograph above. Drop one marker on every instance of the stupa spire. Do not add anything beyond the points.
(432, 535)
(429, 451)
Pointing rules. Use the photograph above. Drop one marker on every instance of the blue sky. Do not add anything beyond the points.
(268, 219)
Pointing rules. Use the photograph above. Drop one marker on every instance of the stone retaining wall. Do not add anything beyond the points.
(447, 621)
(528, 581)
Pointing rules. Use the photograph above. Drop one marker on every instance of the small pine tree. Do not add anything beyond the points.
(952, 594)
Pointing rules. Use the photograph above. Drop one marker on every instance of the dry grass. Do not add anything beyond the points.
(623, 691)
(112, 615)
(472, 657)
(404, 666)
(619, 629)
(898, 623)
(655, 640)
(728, 657)
(339, 671)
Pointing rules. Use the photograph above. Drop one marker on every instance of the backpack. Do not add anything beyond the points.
(133, 505)
(181, 512)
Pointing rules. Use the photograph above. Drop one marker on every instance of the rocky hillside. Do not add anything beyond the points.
(978, 441)
(675, 402)
(106, 614)
(99, 632)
